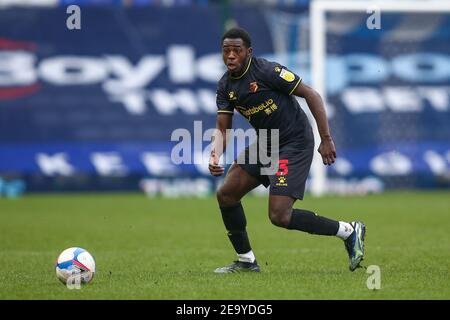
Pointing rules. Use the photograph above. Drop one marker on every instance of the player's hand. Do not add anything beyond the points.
(328, 151)
(214, 168)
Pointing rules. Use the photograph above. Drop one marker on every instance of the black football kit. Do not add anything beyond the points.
(263, 95)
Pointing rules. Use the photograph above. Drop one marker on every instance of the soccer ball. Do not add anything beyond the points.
(75, 265)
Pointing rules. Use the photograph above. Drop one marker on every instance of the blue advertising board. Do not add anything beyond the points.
(389, 95)
(104, 100)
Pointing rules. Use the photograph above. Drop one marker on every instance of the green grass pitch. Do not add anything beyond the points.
(167, 248)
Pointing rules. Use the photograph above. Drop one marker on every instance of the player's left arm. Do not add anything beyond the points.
(327, 148)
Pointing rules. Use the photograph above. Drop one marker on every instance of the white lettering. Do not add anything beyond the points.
(419, 66)
(56, 164)
(72, 70)
(177, 187)
(402, 99)
(362, 99)
(374, 21)
(210, 67)
(158, 164)
(391, 164)
(132, 77)
(437, 96)
(343, 166)
(181, 152)
(207, 100)
(374, 280)
(436, 162)
(168, 103)
(74, 20)
(17, 68)
(108, 164)
(133, 101)
(181, 64)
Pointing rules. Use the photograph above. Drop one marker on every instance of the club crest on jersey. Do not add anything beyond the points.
(232, 96)
(253, 87)
(287, 75)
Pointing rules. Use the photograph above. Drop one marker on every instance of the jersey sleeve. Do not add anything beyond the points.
(281, 78)
(223, 104)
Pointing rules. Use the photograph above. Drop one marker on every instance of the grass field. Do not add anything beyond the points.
(167, 248)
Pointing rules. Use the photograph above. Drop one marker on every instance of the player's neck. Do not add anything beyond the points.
(241, 72)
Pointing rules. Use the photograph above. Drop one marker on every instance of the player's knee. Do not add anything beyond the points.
(226, 198)
(281, 217)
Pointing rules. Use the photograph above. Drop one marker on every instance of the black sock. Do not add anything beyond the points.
(308, 221)
(235, 222)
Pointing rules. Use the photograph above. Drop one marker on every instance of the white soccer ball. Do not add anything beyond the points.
(75, 266)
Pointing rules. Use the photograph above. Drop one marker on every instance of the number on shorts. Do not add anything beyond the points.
(283, 167)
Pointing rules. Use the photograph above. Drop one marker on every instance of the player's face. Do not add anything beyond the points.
(235, 54)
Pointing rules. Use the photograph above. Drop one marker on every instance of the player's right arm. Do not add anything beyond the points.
(224, 121)
(219, 143)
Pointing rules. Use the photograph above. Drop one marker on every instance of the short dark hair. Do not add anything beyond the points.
(238, 33)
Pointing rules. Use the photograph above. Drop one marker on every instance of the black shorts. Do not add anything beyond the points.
(292, 171)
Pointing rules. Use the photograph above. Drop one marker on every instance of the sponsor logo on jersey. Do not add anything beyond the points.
(252, 110)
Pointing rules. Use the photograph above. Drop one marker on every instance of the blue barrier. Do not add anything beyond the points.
(103, 101)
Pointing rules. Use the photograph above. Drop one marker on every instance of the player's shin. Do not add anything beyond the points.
(236, 223)
(308, 221)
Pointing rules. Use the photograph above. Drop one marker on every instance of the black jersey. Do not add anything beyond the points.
(263, 95)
